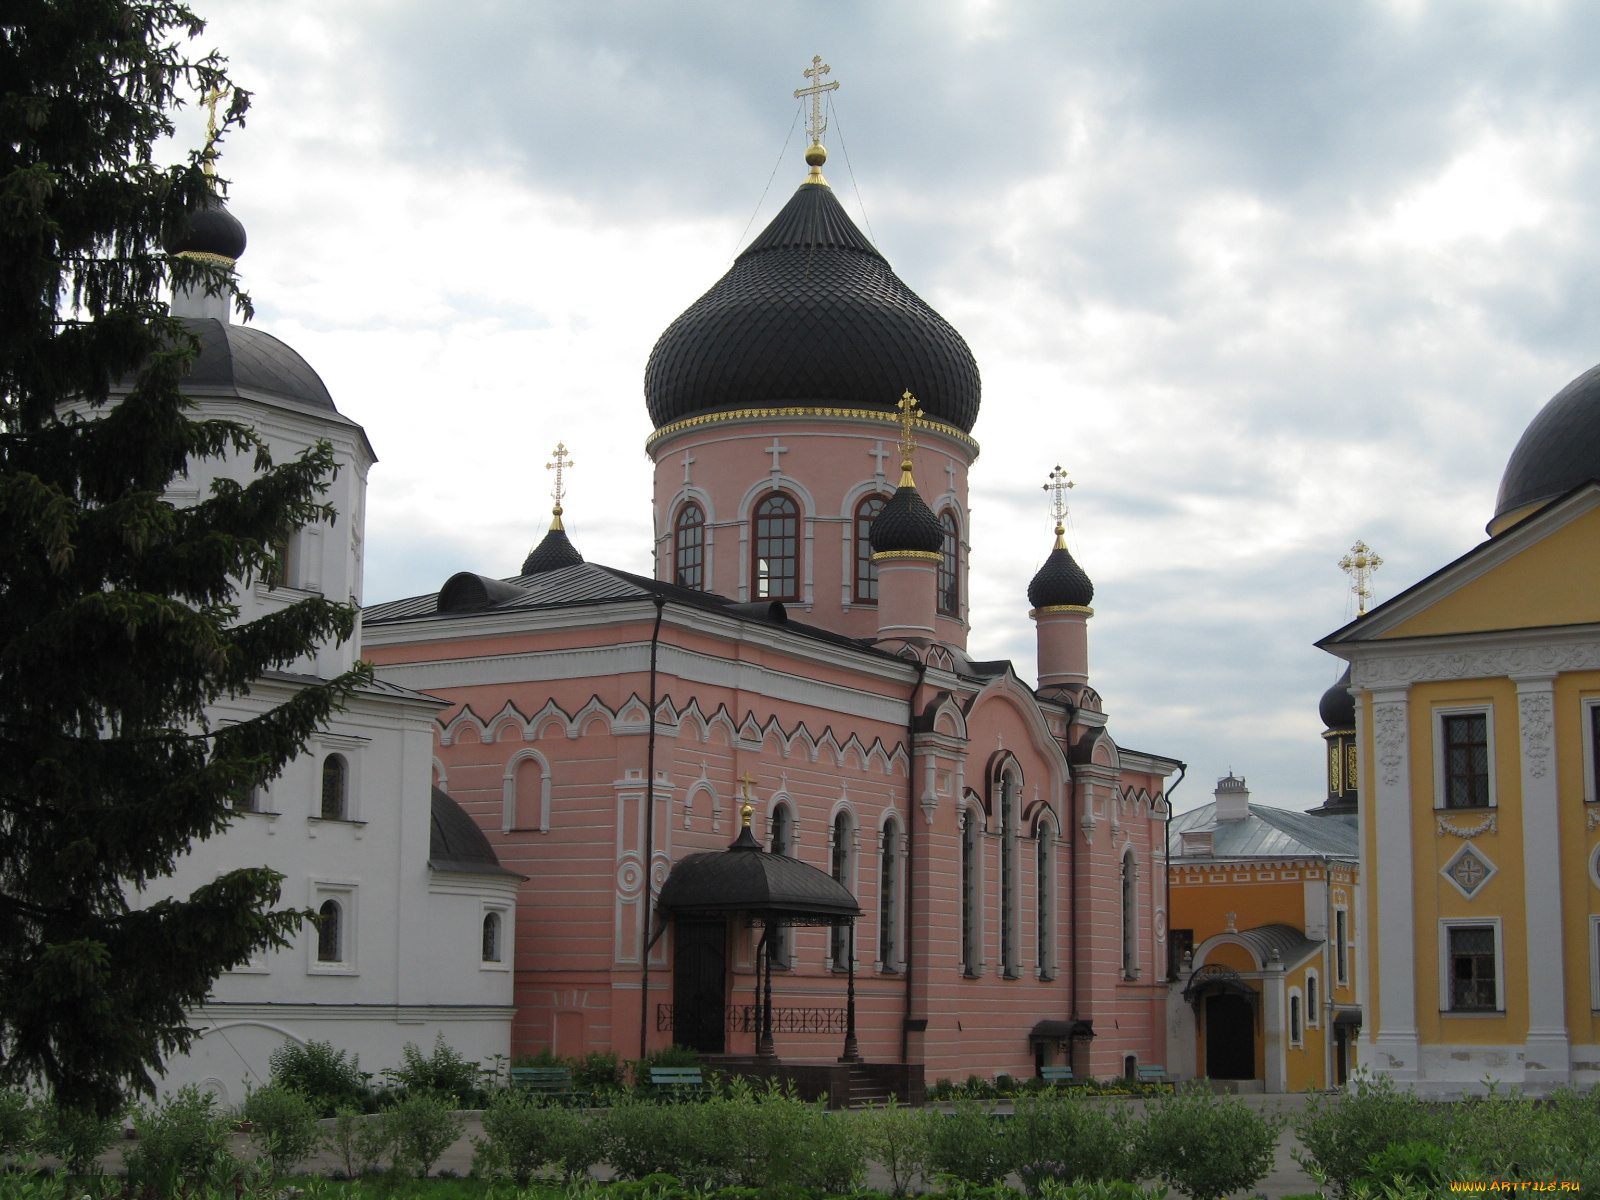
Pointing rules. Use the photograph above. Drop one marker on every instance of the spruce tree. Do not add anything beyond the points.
(117, 619)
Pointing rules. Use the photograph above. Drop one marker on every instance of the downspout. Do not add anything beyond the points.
(1166, 860)
(646, 941)
(911, 845)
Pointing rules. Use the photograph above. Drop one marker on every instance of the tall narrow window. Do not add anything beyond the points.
(949, 563)
(1466, 760)
(866, 570)
(1472, 969)
(1044, 917)
(330, 932)
(1313, 1000)
(1130, 917)
(777, 541)
(781, 841)
(1296, 1030)
(1008, 876)
(888, 898)
(335, 787)
(1341, 941)
(969, 893)
(839, 941)
(491, 937)
(689, 547)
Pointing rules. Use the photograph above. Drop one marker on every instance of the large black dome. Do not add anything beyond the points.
(809, 314)
(236, 360)
(1559, 449)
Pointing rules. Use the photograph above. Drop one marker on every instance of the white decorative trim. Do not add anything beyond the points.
(1469, 851)
(1489, 824)
(1536, 721)
(1389, 736)
(1489, 662)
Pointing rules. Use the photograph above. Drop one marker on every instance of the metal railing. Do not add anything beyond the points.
(746, 1018)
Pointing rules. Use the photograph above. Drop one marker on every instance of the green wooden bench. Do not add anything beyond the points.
(678, 1083)
(1056, 1076)
(548, 1083)
(1152, 1074)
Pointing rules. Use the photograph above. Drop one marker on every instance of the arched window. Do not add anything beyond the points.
(867, 511)
(1130, 1067)
(949, 564)
(330, 932)
(969, 893)
(777, 553)
(335, 787)
(491, 937)
(781, 841)
(1008, 876)
(1044, 918)
(843, 837)
(1313, 1008)
(689, 547)
(1296, 1023)
(888, 898)
(1130, 917)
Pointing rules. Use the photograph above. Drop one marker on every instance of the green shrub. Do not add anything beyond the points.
(424, 1127)
(285, 1123)
(597, 1071)
(968, 1144)
(184, 1139)
(1107, 1189)
(642, 1139)
(322, 1075)
(76, 1136)
(1342, 1132)
(523, 1136)
(897, 1139)
(360, 1141)
(16, 1122)
(1418, 1164)
(1205, 1145)
(1068, 1139)
(445, 1072)
(770, 1139)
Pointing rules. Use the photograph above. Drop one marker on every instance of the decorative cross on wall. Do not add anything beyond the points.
(775, 450)
(879, 453)
(816, 126)
(688, 461)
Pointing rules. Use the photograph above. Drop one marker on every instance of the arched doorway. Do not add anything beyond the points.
(1230, 1036)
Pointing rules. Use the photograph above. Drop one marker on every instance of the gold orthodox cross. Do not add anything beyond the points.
(562, 462)
(816, 126)
(747, 808)
(210, 100)
(1359, 564)
(1058, 485)
(910, 409)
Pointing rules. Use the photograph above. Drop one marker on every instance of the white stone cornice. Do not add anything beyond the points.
(1522, 653)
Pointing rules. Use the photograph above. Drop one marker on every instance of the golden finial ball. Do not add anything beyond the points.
(816, 155)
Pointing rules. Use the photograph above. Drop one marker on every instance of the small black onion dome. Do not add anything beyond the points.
(1559, 450)
(1061, 581)
(811, 314)
(906, 523)
(551, 554)
(1338, 706)
(212, 229)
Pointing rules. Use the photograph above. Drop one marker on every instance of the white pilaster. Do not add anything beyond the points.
(1547, 1055)
(1275, 1038)
(1389, 876)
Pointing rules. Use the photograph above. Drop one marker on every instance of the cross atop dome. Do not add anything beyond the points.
(1058, 485)
(910, 410)
(559, 466)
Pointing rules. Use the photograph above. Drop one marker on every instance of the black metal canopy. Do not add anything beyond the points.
(1061, 1031)
(748, 882)
(1214, 978)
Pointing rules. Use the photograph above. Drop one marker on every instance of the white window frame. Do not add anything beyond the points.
(1294, 999)
(1446, 924)
(1313, 1004)
(893, 964)
(504, 912)
(1440, 712)
(1590, 794)
(346, 893)
(1341, 950)
(1046, 896)
(347, 749)
(975, 967)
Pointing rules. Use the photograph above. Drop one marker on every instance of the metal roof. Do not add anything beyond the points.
(1266, 833)
(745, 880)
(456, 843)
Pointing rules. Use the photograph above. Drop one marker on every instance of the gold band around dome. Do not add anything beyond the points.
(1061, 608)
(207, 256)
(867, 414)
(925, 555)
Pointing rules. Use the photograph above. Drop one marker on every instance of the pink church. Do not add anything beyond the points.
(765, 801)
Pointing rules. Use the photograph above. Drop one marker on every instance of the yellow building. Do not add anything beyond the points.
(1477, 694)
(1264, 901)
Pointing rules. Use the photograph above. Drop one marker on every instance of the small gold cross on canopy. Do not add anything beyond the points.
(910, 410)
(817, 125)
(1359, 564)
(1058, 485)
(747, 808)
(562, 462)
(211, 100)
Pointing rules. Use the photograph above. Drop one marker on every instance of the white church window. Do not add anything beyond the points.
(889, 898)
(843, 844)
(491, 937)
(335, 788)
(1313, 999)
(1471, 953)
(1008, 876)
(969, 893)
(949, 565)
(330, 932)
(1341, 946)
(1044, 916)
(777, 555)
(1464, 757)
(1296, 1019)
(866, 589)
(1130, 916)
(689, 547)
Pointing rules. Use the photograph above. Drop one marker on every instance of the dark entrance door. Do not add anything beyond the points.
(699, 984)
(1341, 1048)
(1230, 1037)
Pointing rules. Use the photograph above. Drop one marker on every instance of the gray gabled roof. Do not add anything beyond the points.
(1266, 833)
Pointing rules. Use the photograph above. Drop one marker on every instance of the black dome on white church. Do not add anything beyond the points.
(212, 231)
(236, 360)
(811, 314)
(1559, 450)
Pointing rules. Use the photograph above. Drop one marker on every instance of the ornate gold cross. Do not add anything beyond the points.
(562, 462)
(211, 100)
(747, 808)
(1058, 485)
(1359, 564)
(817, 125)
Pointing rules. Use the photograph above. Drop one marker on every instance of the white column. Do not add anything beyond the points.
(1275, 1039)
(1547, 1059)
(1389, 876)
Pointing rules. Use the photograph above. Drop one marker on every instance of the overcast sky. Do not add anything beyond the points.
(1265, 277)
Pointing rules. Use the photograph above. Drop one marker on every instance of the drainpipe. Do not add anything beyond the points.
(646, 941)
(911, 845)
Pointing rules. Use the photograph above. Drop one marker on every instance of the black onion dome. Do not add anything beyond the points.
(1559, 449)
(811, 314)
(1061, 581)
(241, 361)
(906, 523)
(212, 229)
(1338, 707)
(555, 552)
